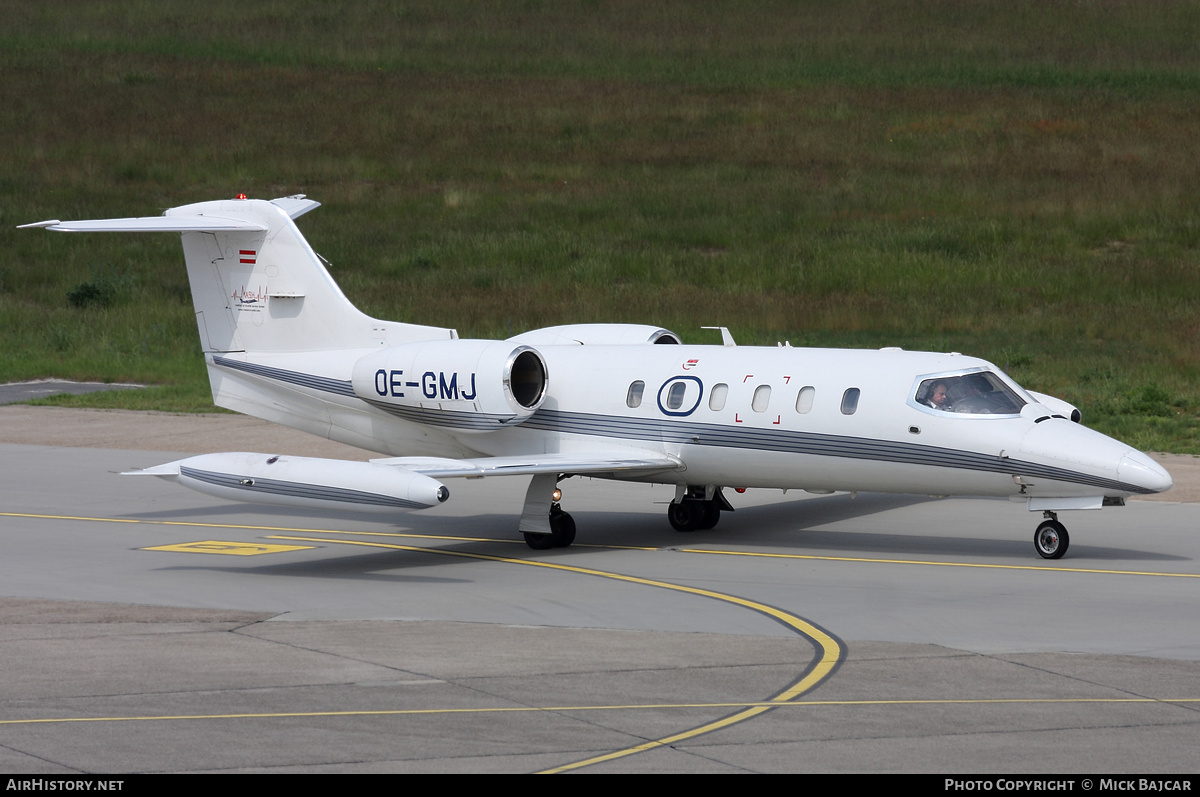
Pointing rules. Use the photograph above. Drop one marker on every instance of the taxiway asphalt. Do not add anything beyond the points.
(146, 628)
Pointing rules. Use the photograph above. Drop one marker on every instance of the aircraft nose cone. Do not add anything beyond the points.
(1139, 470)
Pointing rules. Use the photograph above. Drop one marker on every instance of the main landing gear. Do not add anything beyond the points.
(1051, 539)
(543, 522)
(697, 508)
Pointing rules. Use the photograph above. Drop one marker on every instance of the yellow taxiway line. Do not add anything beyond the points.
(246, 527)
(768, 704)
(931, 563)
(711, 552)
(823, 665)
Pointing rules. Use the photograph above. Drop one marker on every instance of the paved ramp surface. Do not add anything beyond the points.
(149, 628)
(12, 392)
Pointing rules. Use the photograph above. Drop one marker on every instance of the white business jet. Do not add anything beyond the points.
(614, 401)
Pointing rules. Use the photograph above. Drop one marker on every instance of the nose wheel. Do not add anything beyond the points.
(1051, 539)
(562, 532)
(544, 524)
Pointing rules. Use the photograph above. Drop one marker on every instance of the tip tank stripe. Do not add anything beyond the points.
(297, 489)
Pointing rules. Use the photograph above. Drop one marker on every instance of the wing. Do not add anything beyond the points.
(387, 485)
(593, 462)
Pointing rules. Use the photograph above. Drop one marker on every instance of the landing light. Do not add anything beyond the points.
(556, 495)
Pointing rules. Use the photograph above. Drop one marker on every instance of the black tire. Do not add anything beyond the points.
(539, 542)
(692, 514)
(1051, 540)
(687, 515)
(562, 529)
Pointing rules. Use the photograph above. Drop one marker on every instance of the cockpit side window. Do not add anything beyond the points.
(979, 393)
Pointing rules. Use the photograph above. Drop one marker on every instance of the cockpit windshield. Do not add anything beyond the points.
(978, 393)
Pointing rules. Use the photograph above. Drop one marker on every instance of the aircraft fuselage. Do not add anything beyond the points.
(745, 416)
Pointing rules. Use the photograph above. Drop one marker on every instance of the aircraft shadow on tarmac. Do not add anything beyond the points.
(358, 565)
(787, 526)
(794, 525)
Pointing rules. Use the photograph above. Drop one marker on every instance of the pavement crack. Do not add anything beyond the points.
(1090, 682)
(37, 757)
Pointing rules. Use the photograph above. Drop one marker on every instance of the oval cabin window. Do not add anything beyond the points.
(633, 399)
(675, 395)
(716, 399)
(762, 397)
(850, 401)
(804, 400)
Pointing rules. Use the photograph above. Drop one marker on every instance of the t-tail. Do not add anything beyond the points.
(257, 285)
(261, 296)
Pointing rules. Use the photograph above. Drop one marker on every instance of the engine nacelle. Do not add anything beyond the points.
(464, 385)
(304, 482)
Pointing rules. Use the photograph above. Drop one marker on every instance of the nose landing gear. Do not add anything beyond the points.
(544, 524)
(562, 532)
(1051, 539)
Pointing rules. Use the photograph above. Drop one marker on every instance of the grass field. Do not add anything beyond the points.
(1012, 180)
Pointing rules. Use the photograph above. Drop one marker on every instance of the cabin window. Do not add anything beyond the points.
(979, 393)
(850, 401)
(804, 400)
(633, 399)
(762, 397)
(716, 398)
(675, 395)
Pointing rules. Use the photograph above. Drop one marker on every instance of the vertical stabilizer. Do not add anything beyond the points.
(265, 290)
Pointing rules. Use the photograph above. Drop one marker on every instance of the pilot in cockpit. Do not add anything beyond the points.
(935, 396)
(969, 394)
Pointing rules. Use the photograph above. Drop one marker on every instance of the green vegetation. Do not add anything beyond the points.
(1013, 180)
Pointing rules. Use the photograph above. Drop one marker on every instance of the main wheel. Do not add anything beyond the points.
(1051, 540)
(712, 515)
(539, 542)
(687, 515)
(562, 529)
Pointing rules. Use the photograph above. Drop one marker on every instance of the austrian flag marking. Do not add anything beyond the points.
(247, 256)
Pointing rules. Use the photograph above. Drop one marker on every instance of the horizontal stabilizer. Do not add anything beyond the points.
(591, 462)
(295, 206)
(153, 224)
